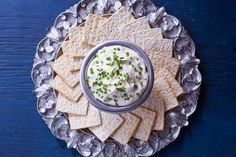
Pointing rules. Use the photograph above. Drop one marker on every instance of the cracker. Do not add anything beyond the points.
(74, 32)
(82, 50)
(78, 47)
(112, 26)
(66, 47)
(91, 34)
(68, 106)
(159, 46)
(174, 84)
(160, 61)
(110, 123)
(92, 118)
(71, 93)
(137, 37)
(162, 87)
(147, 122)
(134, 26)
(61, 67)
(75, 63)
(75, 37)
(126, 130)
(157, 105)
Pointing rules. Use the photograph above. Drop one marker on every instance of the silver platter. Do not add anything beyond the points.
(85, 143)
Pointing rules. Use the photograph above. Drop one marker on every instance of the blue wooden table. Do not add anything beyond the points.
(212, 129)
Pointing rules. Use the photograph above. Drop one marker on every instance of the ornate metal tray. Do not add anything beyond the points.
(86, 144)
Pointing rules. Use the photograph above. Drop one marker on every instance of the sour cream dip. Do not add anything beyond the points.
(117, 75)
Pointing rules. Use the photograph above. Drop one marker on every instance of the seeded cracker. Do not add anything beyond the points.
(93, 118)
(143, 34)
(126, 130)
(73, 64)
(161, 46)
(112, 26)
(160, 61)
(91, 34)
(65, 46)
(174, 84)
(60, 66)
(71, 93)
(162, 87)
(137, 25)
(157, 105)
(79, 48)
(68, 106)
(78, 63)
(110, 123)
(147, 122)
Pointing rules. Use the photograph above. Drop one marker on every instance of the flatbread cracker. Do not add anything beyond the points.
(73, 64)
(61, 67)
(91, 34)
(160, 61)
(174, 84)
(93, 118)
(157, 105)
(162, 87)
(68, 106)
(146, 125)
(75, 38)
(126, 130)
(78, 48)
(71, 93)
(112, 26)
(110, 123)
(159, 46)
(139, 36)
(76, 63)
(72, 32)
(65, 46)
(137, 25)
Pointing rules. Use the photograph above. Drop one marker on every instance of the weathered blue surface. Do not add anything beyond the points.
(212, 128)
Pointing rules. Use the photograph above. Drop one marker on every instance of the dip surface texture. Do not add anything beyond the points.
(117, 75)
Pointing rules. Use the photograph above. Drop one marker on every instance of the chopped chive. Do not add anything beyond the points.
(141, 84)
(91, 71)
(111, 74)
(112, 63)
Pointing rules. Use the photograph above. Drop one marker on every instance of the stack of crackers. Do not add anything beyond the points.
(138, 123)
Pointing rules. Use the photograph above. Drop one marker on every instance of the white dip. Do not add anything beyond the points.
(117, 75)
